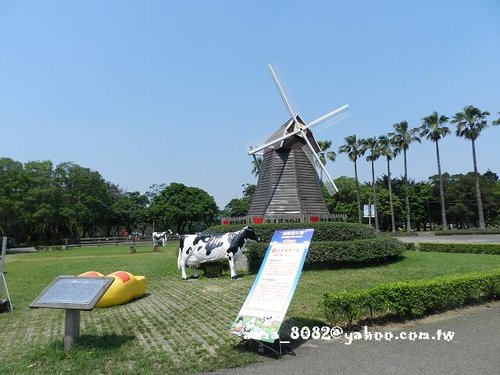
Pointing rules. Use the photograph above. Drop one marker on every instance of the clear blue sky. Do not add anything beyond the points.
(160, 91)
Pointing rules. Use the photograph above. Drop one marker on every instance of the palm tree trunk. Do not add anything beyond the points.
(478, 189)
(374, 197)
(407, 197)
(441, 190)
(393, 222)
(357, 192)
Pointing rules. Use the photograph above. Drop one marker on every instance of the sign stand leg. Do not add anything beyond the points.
(263, 345)
(3, 283)
(71, 328)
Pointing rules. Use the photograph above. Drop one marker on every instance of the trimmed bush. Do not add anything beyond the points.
(323, 254)
(460, 248)
(323, 231)
(468, 231)
(411, 299)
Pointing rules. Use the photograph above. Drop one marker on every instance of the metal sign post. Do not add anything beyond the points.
(72, 293)
(3, 282)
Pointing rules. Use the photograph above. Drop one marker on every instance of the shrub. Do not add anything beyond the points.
(324, 254)
(460, 248)
(323, 231)
(468, 231)
(411, 246)
(49, 248)
(412, 298)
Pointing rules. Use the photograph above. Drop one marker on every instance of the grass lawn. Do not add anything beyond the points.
(181, 327)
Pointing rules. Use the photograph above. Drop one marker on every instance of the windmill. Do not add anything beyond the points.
(291, 170)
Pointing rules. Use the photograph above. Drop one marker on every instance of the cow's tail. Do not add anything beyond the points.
(181, 246)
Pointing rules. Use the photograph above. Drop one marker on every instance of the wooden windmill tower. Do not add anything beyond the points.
(291, 171)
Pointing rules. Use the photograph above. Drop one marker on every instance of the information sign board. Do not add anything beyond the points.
(73, 292)
(265, 308)
(369, 210)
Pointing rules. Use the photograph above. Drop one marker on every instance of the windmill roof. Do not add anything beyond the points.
(287, 128)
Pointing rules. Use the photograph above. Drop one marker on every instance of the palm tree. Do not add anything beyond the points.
(497, 121)
(256, 162)
(325, 154)
(353, 149)
(402, 137)
(469, 124)
(371, 145)
(433, 129)
(386, 149)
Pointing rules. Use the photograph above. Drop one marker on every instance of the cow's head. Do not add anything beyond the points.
(250, 235)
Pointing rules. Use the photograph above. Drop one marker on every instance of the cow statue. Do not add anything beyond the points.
(161, 237)
(196, 249)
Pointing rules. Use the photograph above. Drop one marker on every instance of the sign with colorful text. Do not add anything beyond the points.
(265, 308)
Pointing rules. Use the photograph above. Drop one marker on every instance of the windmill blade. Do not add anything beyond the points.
(254, 150)
(281, 91)
(316, 162)
(327, 116)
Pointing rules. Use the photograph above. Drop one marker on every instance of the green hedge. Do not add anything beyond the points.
(412, 298)
(460, 248)
(468, 231)
(323, 231)
(323, 254)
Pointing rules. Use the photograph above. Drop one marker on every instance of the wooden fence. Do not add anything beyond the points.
(107, 241)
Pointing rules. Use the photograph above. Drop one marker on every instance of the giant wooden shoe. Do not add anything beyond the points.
(124, 288)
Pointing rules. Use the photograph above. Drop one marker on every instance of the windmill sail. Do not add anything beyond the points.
(320, 170)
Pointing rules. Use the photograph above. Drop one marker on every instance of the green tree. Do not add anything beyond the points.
(353, 148)
(402, 137)
(12, 188)
(130, 211)
(371, 146)
(433, 129)
(345, 200)
(386, 148)
(40, 203)
(470, 122)
(184, 207)
(239, 206)
(85, 201)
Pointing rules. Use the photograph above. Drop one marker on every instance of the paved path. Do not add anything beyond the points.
(457, 238)
(475, 349)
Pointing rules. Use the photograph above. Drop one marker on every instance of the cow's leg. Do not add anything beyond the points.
(232, 266)
(183, 268)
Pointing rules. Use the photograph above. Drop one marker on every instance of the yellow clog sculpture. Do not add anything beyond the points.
(124, 288)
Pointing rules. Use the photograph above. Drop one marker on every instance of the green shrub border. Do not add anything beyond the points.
(323, 231)
(328, 254)
(459, 248)
(467, 231)
(410, 299)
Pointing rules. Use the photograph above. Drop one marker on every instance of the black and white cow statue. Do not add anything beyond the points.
(196, 249)
(161, 237)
